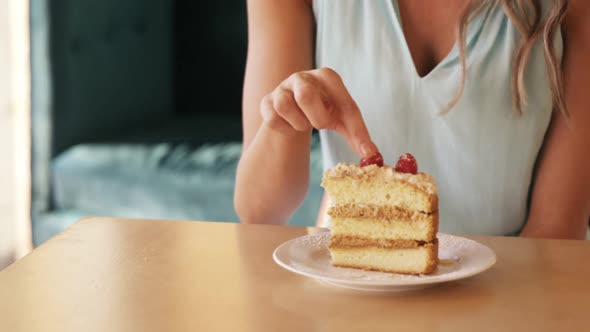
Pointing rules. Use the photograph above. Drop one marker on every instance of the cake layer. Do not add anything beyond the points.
(421, 260)
(348, 184)
(417, 226)
(422, 230)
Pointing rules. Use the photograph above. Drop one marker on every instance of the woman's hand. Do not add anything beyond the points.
(272, 178)
(316, 99)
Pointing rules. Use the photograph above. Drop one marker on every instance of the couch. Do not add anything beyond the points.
(136, 111)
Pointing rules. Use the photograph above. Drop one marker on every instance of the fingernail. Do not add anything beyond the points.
(367, 149)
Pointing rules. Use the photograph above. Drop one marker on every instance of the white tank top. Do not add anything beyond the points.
(482, 154)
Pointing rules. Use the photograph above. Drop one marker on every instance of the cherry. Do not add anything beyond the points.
(375, 159)
(406, 164)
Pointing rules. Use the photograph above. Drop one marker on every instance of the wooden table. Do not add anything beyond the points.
(146, 275)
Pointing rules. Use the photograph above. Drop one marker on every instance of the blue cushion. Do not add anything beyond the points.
(161, 181)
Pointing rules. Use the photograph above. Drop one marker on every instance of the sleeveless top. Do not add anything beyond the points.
(482, 153)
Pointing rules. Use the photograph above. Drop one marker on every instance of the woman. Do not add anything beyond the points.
(499, 112)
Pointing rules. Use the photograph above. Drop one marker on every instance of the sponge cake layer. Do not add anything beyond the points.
(419, 230)
(382, 186)
(421, 260)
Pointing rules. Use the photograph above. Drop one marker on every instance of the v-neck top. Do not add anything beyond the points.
(482, 153)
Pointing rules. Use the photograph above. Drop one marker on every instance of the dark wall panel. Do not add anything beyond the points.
(211, 42)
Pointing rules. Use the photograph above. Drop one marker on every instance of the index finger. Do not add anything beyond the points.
(350, 123)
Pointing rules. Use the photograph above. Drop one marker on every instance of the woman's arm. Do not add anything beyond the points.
(273, 174)
(280, 42)
(560, 206)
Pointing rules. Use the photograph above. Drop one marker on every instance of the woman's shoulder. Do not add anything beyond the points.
(577, 13)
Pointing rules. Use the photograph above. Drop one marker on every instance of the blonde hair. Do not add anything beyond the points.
(526, 15)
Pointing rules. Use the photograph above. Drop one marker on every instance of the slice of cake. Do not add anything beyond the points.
(383, 218)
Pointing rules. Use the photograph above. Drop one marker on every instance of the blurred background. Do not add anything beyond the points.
(120, 108)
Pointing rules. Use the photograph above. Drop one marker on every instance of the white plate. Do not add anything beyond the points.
(309, 256)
